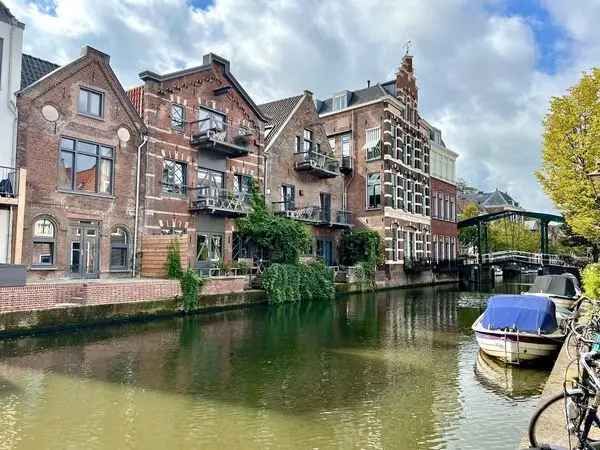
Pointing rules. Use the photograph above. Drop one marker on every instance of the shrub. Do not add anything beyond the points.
(174, 270)
(294, 282)
(365, 249)
(591, 280)
(191, 283)
(285, 239)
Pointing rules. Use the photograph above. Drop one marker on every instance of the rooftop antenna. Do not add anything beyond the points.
(407, 46)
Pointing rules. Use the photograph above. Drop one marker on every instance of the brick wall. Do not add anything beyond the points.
(38, 296)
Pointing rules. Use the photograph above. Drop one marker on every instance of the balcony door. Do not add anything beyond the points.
(84, 249)
(288, 197)
(325, 207)
(325, 250)
(210, 121)
(210, 183)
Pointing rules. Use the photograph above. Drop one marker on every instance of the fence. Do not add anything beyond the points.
(155, 249)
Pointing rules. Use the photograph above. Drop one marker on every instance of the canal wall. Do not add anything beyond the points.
(41, 307)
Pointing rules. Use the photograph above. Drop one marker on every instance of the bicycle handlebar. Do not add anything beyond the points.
(588, 356)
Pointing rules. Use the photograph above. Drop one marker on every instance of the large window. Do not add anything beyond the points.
(85, 167)
(340, 102)
(242, 184)
(373, 143)
(288, 197)
(44, 235)
(174, 177)
(307, 136)
(210, 183)
(119, 249)
(346, 144)
(374, 190)
(177, 117)
(91, 102)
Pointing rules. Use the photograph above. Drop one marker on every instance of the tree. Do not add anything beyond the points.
(571, 151)
(570, 242)
(468, 236)
(507, 234)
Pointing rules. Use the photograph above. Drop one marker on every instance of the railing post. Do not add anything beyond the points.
(18, 239)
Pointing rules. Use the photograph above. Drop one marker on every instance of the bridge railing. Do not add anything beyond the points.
(538, 259)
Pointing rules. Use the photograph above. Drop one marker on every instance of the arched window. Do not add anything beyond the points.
(119, 249)
(44, 240)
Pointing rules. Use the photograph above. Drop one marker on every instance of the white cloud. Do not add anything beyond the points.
(476, 70)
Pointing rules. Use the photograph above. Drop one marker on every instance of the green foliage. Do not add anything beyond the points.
(191, 283)
(294, 282)
(512, 235)
(174, 270)
(223, 266)
(363, 248)
(572, 151)
(285, 239)
(591, 280)
(468, 236)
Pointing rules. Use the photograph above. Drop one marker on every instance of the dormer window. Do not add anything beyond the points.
(340, 101)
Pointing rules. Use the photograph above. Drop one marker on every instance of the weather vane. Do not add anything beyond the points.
(407, 45)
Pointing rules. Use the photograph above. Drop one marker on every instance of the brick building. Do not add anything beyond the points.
(303, 179)
(78, 135)
(384, 149)
(205, 146)
(444, 233)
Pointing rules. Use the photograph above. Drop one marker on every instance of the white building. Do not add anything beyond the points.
(11, 44)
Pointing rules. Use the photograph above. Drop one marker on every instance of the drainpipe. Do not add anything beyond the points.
(137, 204)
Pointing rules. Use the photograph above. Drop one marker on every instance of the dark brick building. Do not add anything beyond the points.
(78, 136)
(303, 179)
(205, 146)
(384, 149)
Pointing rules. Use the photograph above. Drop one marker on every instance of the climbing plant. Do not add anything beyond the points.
(283, 238)
(285, 283)
(174, 270)
(363, 248)
(190, 281)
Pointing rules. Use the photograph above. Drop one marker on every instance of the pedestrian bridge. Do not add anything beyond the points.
(524, 258)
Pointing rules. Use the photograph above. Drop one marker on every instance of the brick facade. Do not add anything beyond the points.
(282, 160)
(212, 89)
(443, 222)
(388, 143)
(77, 209)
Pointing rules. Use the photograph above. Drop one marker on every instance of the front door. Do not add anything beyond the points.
(325, 251)
(83, 247)
(209, 250)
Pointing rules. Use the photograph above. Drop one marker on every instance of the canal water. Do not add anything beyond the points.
(395, 370)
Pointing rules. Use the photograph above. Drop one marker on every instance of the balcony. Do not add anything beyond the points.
(219, 202)
(341, 219)
(9, 185)
(314, 215)
(347, 165)
(318, 164)
(221, 137)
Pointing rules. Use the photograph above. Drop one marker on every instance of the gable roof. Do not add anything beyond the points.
(32, 69)
(360, 96)
(207, 61)
(278, 111)
(104, 61)
(7, 17)
(499, 198)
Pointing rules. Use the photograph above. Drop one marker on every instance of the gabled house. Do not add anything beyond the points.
(80, 139)
(303, 180)
(204, 152)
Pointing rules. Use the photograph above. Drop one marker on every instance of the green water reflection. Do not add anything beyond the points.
(396, 369)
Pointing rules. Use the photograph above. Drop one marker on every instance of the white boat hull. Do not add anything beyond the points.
(514, 348)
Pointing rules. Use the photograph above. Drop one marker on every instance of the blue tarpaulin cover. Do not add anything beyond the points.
(526, 313)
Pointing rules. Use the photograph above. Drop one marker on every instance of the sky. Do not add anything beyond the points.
(486, 69)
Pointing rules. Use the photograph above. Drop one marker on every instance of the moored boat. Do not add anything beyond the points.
(562, 289)
(518, 328)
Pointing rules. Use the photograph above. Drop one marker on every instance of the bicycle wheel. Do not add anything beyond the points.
(548, 425)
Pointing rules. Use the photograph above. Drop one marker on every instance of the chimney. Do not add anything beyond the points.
(368, 83)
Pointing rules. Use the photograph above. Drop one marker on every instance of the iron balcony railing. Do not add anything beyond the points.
(347, 164)
(320, 163)
(374, 152)
(219, 201)
(236, 140)
(9, 182)
(314, 214)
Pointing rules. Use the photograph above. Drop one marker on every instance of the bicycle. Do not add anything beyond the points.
(580, 406)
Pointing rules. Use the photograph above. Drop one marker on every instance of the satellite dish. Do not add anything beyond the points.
(123, 134)
(50, 113)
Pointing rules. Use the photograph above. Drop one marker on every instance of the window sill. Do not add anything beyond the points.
(88, 194)
(42, 268)
(171, 196)
(375, 208)
(119, 271)
(91, 116)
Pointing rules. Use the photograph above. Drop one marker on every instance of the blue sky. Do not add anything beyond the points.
(486, 69)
